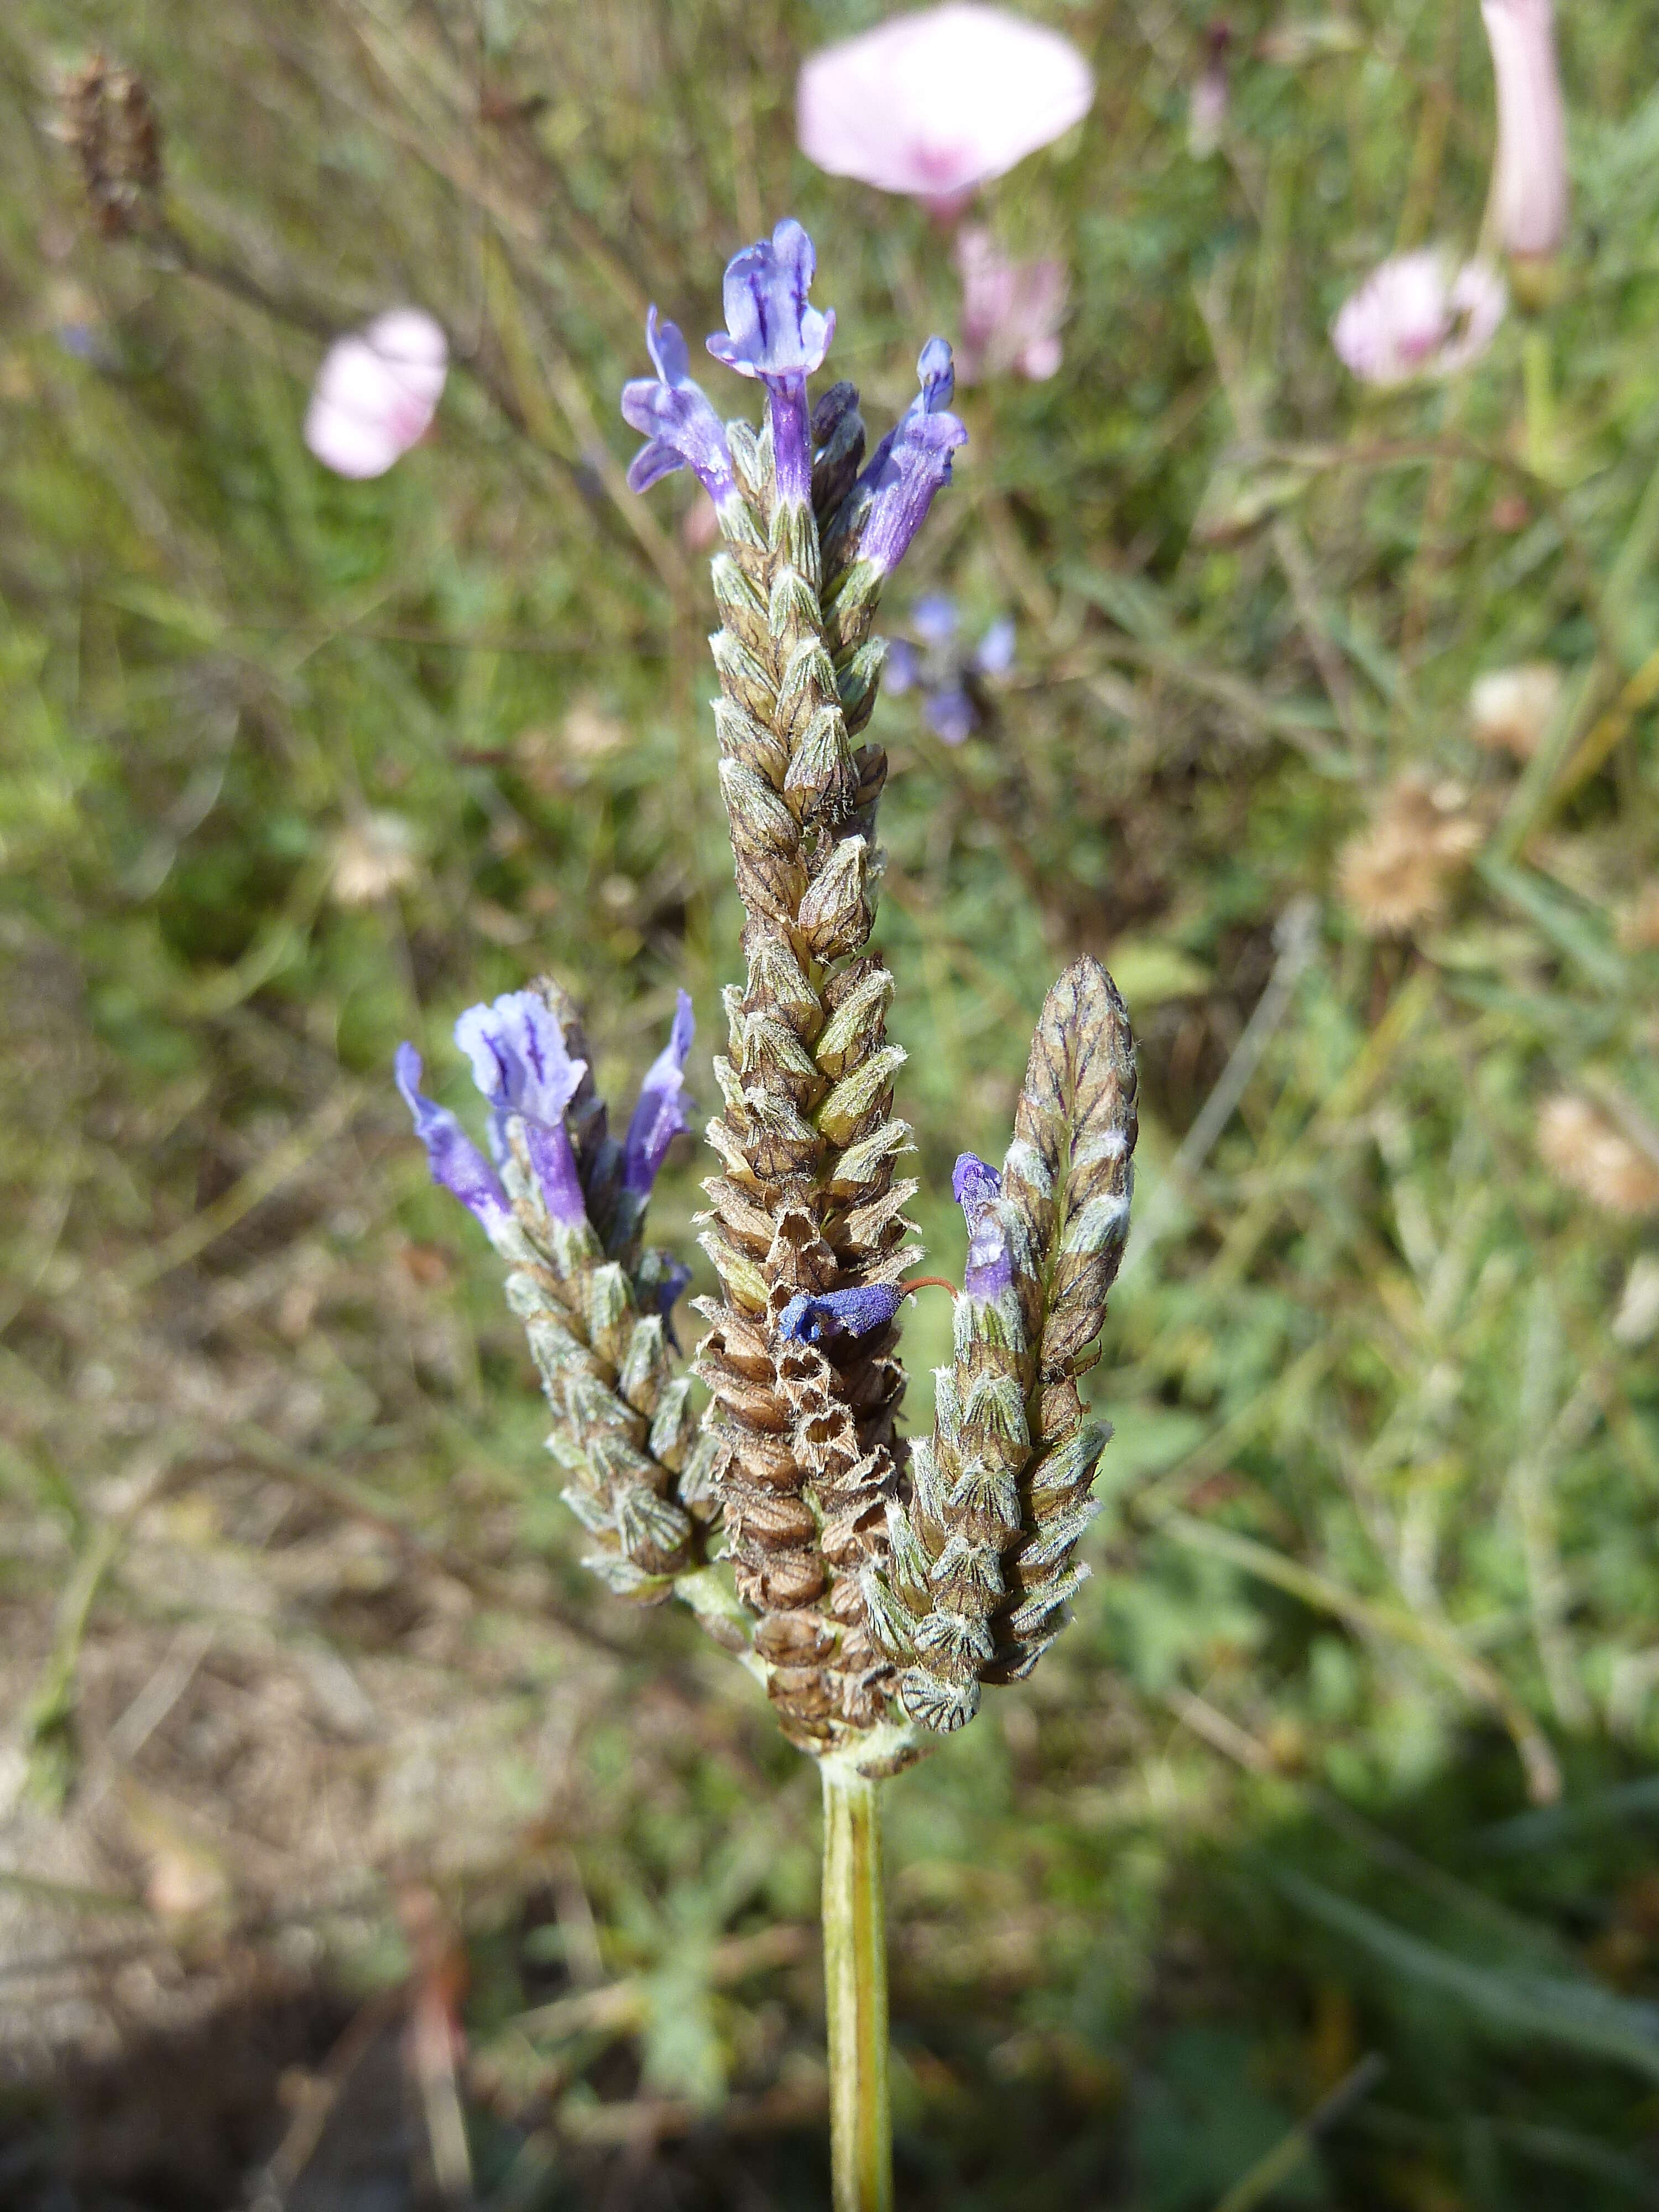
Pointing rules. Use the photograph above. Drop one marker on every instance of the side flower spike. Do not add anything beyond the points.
(773, 333)
(661, 1113)
(678, 419)
(976, 1187)
(456, 1161)
(520, 1065)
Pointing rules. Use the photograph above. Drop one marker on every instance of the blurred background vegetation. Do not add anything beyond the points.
(1339, 1801)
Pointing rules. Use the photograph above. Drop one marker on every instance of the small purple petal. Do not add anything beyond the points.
(456, 1161)
(902, 483)
(518, 1058)
(994, 653)
(951, 715)
(675, 416)
(555, 1165)
(842, 1313)
(653, 463)
(660, 1115)
(770, 330)
(933, 619)
(935, 372)
(976, 1187)
(902, 669)
(520, 1064)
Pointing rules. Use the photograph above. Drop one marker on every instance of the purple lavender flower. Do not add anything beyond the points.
(912, 463)
(948, 680)
(976, 1188)
(455, 1160)
(676, 417)
(660, 1115)
(772, 333)
(840, 1313)
(520, 1065)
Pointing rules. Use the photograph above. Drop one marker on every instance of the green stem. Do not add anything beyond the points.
(855, 1988)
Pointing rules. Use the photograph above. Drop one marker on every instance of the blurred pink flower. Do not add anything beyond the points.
(376, 393)
(937, 103)
(1011, 312)
(1529, 175)
(1417, 316)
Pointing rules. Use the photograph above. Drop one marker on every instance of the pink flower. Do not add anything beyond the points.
(1529, 176)
(1415, 316)
(937, 103)
(376, 393)
(1206, 112)
(1010, 311)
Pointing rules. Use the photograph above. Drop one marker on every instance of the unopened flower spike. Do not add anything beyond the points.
(773, 333)
(676, 416)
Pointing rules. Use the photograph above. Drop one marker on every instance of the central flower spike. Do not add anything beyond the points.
(773, 333)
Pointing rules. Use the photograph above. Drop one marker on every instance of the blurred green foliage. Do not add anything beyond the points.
(1379, 1567)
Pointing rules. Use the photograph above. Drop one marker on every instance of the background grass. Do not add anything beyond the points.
(1350, 1749)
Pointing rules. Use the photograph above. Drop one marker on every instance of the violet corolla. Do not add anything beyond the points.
(674, 415)
(773, 332)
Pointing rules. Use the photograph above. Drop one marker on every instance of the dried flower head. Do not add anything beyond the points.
(1528, 212)
(374, 856)
(108, 123)
(1583, 1149)
(1418, 315)
(1012, 311)
(1399, 870)
(377, 393)
(936, 104)
(1511, 708)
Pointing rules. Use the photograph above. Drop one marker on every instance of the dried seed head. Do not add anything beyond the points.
(1399, 871)
(109, 126)
(1581, 1145)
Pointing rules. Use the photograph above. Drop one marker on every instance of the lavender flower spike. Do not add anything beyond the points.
(661, 1113)
(772, 333)
(676, 417)
(850, 1313)
(456, 1161)
(519, 1063)
(976, 1188)
(911, 464)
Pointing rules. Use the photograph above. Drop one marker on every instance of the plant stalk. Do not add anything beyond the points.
(855, 1988)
